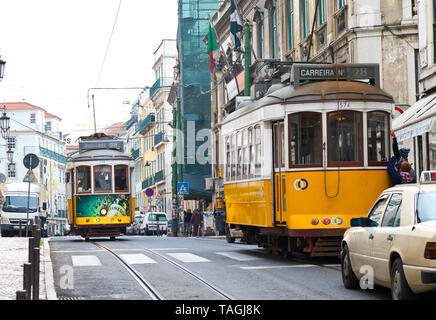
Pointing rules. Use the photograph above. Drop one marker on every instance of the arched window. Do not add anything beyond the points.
(305, 139)
(378, 138)
(344, 131)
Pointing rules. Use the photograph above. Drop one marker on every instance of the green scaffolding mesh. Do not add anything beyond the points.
(195, 88)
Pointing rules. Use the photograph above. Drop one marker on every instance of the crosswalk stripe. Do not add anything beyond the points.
(188, 257)
(237, 256)
(136, 258)
(279, 267)
(85, 261)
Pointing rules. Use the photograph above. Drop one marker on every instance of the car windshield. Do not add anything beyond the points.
(426, 207)
(19, 204)
(157, 217)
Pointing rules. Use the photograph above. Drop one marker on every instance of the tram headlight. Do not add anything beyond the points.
(315, 221)
(326, 221)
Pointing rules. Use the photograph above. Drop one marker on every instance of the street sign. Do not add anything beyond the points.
(149, 192)
(30, 177)
(183, 188)
(31, 161)
(159, 196)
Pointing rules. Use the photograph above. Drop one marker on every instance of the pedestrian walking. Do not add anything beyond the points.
(187, 224)
(399, 169)
(195, 221)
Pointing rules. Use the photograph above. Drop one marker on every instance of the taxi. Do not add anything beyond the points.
(395, 245)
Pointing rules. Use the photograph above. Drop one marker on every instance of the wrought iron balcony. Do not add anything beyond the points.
(147, 123)
(135, 154)
(159, 176)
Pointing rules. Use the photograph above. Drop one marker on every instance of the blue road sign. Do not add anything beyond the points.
(183, 188)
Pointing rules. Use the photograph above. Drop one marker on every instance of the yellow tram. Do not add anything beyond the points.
(305, 159)
(100, 188)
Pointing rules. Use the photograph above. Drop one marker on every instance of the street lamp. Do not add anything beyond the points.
(10, 155)
(4, 122)
(2, 68)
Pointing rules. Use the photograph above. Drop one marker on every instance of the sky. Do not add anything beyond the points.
(54, 51)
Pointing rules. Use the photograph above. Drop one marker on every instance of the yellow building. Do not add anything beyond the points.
(147, 129)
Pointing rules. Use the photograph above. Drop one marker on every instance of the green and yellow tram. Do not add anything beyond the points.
(99, 188)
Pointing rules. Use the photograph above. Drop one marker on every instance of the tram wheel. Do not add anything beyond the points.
(229, 238)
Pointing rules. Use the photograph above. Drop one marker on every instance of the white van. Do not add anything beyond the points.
(13, 214)
(154, 222)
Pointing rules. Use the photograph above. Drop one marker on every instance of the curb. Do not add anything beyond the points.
(48, 271)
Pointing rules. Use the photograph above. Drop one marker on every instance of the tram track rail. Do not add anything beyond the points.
(151, 291)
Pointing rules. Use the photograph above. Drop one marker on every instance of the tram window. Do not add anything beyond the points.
(258, 150)
(305, 139)
(121, 179)
(239, 152)
(103, 178)
(233, 156)
(83, 179)
(378, 137)
(344, 129)
(250, 155)
(228, 173)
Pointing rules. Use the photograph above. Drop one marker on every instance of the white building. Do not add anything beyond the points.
(34, 130)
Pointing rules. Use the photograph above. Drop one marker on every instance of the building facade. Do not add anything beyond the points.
(34, 130)
(416, 127)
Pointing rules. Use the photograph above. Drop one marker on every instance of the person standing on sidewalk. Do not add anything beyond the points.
(196, 220)
(187, 224)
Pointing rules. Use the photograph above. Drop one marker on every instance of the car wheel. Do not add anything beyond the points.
(348, 277)
(229, 238)
(399, 288)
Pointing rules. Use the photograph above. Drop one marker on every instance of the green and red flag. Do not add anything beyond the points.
(212, 46)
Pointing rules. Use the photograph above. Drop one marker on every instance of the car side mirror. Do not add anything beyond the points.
(44, 206)
(67, 177)
(363, 222)
(359, 222)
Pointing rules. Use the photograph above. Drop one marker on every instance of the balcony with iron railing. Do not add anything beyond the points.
(161, 83)
(135, 154)
(158, 138)
(147, 123)
(52, 155)
(148, 182)
(159, 176)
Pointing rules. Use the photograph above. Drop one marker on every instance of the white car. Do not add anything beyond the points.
(396, 241)
(154, 223)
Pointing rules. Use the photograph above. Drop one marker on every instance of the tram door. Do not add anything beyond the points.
(279, 174)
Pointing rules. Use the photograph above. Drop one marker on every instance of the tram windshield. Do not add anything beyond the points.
(345, 137)
(103, 178)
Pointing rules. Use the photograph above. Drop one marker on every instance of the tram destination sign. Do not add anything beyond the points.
(303, 73)
(105, 144)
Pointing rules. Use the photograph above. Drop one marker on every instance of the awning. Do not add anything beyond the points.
(417, 120)
(416, 129)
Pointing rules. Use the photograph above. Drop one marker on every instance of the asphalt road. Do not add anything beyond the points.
(83, 271)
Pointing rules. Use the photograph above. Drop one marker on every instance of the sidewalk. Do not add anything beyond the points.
(13, 254)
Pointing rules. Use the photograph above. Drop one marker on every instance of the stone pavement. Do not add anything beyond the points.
(13, 254)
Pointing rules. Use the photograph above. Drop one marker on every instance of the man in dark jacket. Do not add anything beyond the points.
(196, 220)
(399, 169)
(187, 223)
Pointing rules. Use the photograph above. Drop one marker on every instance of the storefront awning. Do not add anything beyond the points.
(417, 120)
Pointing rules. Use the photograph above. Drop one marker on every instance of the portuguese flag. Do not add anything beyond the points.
(212, 46)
